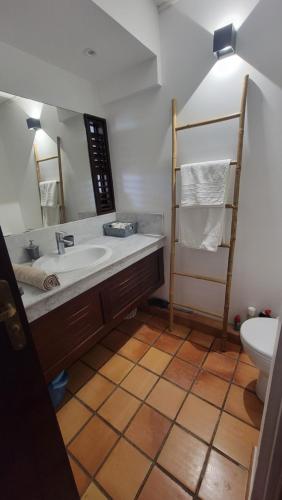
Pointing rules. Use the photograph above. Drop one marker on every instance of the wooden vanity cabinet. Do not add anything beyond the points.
(60, 332)
(64, 334)
(120, 292)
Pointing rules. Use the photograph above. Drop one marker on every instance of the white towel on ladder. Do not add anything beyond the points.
(49, 201)
(48, 193)
(204, 189)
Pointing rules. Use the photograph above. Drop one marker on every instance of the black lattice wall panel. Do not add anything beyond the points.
(100, 164)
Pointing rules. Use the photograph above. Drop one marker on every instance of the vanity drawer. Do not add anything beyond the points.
(62, 331)
(132, 285)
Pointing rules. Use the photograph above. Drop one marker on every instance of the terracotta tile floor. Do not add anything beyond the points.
(149, 414)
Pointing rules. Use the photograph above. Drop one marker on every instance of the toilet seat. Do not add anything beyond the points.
(260, 335)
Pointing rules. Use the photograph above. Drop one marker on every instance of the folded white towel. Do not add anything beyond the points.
(48, 193)
(121, 225)
(204, 184)
(204, 189)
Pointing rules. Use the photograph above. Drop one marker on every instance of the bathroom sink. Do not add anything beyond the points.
(78, 257)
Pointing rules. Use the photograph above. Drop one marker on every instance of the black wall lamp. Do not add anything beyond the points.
(224, 41)
(33, 123)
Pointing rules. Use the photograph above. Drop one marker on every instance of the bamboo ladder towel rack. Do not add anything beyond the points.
(58, 157)
(233, 206)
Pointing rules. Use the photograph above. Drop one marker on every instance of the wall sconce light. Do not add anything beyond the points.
(224, 41)
(33, 123)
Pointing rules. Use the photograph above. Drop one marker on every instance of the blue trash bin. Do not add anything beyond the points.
(57, 388)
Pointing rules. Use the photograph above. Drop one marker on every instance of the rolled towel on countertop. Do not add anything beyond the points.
(35, 277)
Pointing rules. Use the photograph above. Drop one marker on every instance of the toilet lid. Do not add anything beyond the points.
(260, 334)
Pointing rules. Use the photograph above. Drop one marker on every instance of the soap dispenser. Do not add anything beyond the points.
(33, 251)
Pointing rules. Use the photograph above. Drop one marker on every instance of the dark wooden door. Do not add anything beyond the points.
(34, 463)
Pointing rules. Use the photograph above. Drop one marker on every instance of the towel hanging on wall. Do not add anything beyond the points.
(204, 189)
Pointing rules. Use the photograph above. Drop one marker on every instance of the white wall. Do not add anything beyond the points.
(140, 137)
(11, 219)
(18, 167)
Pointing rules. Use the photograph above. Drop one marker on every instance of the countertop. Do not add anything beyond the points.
(125, 251)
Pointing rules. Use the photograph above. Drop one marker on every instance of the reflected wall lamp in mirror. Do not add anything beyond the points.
(224, 41)
(33, 123)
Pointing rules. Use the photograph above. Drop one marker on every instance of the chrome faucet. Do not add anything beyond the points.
(64, 240)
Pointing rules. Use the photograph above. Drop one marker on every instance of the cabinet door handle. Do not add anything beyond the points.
(9, 316)
(7, 312)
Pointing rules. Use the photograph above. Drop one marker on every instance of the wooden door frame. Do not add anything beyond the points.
(267, 481)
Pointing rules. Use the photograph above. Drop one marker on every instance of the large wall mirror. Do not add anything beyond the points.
(54, 165)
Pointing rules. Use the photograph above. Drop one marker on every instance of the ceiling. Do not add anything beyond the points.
(59, 31)
(4, 96)
(164, 4)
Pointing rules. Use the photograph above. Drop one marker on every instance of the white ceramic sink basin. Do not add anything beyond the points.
(77, 257)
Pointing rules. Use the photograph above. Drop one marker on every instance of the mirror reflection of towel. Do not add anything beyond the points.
(48, 193)
(51, 216)
(49, 202)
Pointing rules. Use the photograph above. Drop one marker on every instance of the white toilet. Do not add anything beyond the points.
(258, 337)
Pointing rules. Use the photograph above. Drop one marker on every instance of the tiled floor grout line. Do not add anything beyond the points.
(95, 413)
(143, 402)
(132, 335)
(78, 432)
(199, 367)
(219, 407)
(174, 422)
(204, 468)
(90, 477)
(98, 485)
(122, 434)
(135, 363)
(239, 418)
(219, 417)
(221, 410)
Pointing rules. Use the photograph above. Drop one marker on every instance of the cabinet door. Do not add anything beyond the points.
(34, 463)
(60, 334)
(127, 288)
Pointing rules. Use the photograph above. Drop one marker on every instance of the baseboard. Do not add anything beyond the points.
(195, 321)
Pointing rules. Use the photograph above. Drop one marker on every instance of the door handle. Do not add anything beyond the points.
(9, 312)
(9, 316)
